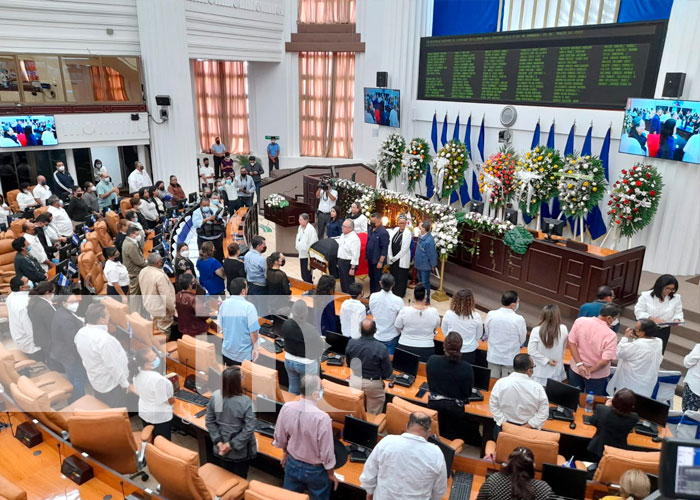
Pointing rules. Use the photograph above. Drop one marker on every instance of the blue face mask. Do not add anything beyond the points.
(29, 248)
(156, 363)
(30, 284)
(228, 181)
(206, 210)
(215, 203)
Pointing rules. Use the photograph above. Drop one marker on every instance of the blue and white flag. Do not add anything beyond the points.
(429, 187)
(463, 188)
(75, 240)
(594, 219)
(72, 270)
(476, 195)
(168, 267)
(63, 281)
(536, 136)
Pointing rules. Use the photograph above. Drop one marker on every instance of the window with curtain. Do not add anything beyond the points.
(326, 11)
(221, 91)
(326, 103)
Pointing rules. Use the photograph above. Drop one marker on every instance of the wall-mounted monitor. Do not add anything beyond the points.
(26, 131)
(383, 107)
(662, 128)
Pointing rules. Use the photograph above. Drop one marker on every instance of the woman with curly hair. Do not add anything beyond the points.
(463, 318)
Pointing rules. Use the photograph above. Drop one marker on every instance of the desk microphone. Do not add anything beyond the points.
(9, 423)
(60, 456)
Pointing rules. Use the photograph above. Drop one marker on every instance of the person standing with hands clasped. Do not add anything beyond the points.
(349, 247)
(327, 196)
(376, 251)
(506, 331)
(155, 392)
(306, 236)
(426, 256)
(273, 154)
(661, 304)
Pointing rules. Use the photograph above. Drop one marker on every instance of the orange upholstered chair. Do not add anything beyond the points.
(125, 205)
(112, 220)
(12, 200)
(39, 211)
(616, 461)
(544, 445)
(118, 312)
(261, 491)
(7, 265)
(340, 400)
(10, 491)
(143, 334)
(91, 272)
(261, 380)
(398, 412)
(103, 234)
(53, 384)
(16, 227)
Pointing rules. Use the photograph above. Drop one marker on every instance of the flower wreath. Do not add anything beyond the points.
(635, 198)
(276, 201)
(535, 178)
(449, 166)
(581, 184)
(416, 159)
(496, 177)
(390, 157)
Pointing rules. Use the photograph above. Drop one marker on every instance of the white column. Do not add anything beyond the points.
(70, 165)
(166, 67)
(143, 158)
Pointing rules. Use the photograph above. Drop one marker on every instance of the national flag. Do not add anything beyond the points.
(455, 133)
(476, 195)
(586, 149)
(428, 176)
(168, 267)
(480, 142)
(550, 137)
(72, 270)
(443, 135)
(63, 281)
(536, 136)
(75, 240)
(569, 148)
(594, 219)
(463, 189)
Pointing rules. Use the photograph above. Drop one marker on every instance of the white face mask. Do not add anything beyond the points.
(615, 323)
(61, 169)
(185, 253)
(517, 306)
(73, 307)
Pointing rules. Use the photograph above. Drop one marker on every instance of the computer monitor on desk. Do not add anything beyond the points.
(652, 413)
(267, 409)
(566, 398)
(447, 451)
(337, 342)
(407, 364)
(482, 381)
(565, 482)
(362, 437)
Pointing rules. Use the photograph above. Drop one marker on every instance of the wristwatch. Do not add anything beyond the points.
(580, 363)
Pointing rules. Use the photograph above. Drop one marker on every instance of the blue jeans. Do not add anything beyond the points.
(296, 370)
(301, 477)
(424, 278)
(391, 345)
(597, 385)
(75, 373)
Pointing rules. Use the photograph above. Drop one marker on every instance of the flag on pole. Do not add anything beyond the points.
(569, 148)
(594, 219)
(72, 270)
(476, 195)
(168, 267)
(455, 136)
(586, 149)
(75, 240)
(545, 210)
(550, 137)
(443, 135)
(463, 188)
(480, 142)
(63, 281)
(428, 176)
(536, 136)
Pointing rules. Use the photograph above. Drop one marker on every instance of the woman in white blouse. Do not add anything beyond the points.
(148, 208)
(115, 273)
(547, 345)
(4, 211)
(154, 390)
(661, 304)
(463, 318)
(417, 324)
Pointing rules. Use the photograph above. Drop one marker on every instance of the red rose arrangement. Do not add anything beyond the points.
(496, 177)
(634, 199)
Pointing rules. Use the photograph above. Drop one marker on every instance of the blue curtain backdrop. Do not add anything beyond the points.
(635, 10)
(462, 17)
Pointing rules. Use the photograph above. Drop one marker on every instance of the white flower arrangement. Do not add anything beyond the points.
(581, 184)
(416, 161)
(390, 157)
(486, 224)
(276, 201)
(449, 166)
(535, 178)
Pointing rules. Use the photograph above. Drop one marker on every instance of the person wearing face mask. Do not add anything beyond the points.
(154, 198)
(18, 319)
(273, 155)
(188, 305)
(426, 255)
(132, 257)
(206, 175)
(106, 192)
(176, 190)
(221, 193)
(90, 197)
(639, 356)
(245, 186)
(41, 192)
(278, 287)
(154, 390)
(182, 262)
(147, 208)
(138, 178)
(306, 236)
(207, 221)
(63, 183)
(256, 171)
(36, 247)
(232, 203)
(78, 209)
(217, 149)
(227, 165)
(64, 326)
(135, 217)
(593, 346)
(26, 201)
(506, 332)
(103, 358)
(115, 273)
(256, 266)
(60, 218)
(99, 169)
(41, 312)
(158, 293)
(161, 193)
(25, 264)
(121, 235)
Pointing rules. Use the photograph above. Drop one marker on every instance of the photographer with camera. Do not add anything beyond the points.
(208, 222)
(327, 197)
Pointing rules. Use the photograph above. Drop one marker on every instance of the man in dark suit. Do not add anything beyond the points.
(376, 250)
(655, 126)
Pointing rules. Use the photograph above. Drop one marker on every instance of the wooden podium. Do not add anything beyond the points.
(286, 223)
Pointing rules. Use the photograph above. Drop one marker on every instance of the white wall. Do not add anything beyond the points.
(110, 160)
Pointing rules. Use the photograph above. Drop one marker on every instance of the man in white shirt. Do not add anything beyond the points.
(25, 198)
(327, 196)
(41, 192)
(385, 306)
(18, 318)
(517, 399)
(639, 357)
(138, 179)
(506, 332)
(358, 218)
(206, 175)
(103, 357)
(306, 236)
(61, 220)
(352, 312)
(349, 247)
(37, 249)
(405, 464)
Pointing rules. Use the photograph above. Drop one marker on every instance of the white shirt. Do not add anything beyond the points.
(42, 193)
(231, 191)
(519, 400)
(115, 272)
(25, 200)
(417, 326)
(148, 210)
(669, 310)
(638, 364)
(4, 212)
(349, 246)
(405, 467)
(506, 332)
(37, 250)
(306, 236)
(470, 328)
(360, 224)
(137, 180)
(325, 203)
(404, 254)
(352, 312)
(207, 173)
(154, 390)
(385, 306)
(61, 221)
(542, 355)
(51, 233)
(20, 324)
(691, 362)
(103, 357)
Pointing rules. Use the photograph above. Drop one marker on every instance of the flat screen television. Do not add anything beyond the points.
(383, 107)
(27, 131)
(662, 128)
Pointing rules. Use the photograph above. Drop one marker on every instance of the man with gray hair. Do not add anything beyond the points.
(306, 236)
(158, 293)
(132, 257)
(348, 255)
(406, 463)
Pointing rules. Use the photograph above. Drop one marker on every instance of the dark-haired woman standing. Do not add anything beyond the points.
(463, 318)
(661, 304)
(231, 423)
(547, 345)
(515, 481)
(154, 390)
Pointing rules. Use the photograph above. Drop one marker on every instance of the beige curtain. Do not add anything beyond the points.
(222, 104)
(326, 11)
(326, 98)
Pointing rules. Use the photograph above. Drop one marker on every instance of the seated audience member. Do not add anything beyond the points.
(613, 422)
(4, 211)
(175, 189)
(61, 219)
(593, 345)
(661, 304)
(116, 274)
(25, 264)
(182, 262)
(639, 357)
(418, 323)
(634, 485)
(103, 357)
(64, 326)
(450, 381)
(25, 199)
(518, 399)
(516, 480)
(188, 322)
(547, 345)
(352, 312)
(369, 362)
(158, 293)
(211, 272)
(325, 318)
(303, 346)
(230, 422)
(385, 306)
(406, 463)
(155, 392)
(233, 265)
(463, 318)
(506, 331)
(691, 389)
